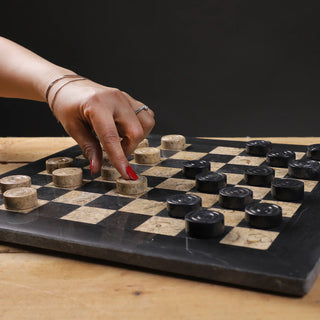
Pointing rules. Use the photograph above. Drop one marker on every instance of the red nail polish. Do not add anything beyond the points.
(91, 166)
(131, 173)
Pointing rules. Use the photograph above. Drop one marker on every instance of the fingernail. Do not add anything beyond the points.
(131, 173)
(91, 166)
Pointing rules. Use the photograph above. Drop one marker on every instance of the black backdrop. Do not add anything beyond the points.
(208, 68)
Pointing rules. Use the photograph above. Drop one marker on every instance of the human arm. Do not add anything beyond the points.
(82, 107)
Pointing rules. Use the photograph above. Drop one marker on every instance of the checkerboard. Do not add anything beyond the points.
(93, 220)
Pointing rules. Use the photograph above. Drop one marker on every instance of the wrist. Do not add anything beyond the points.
(49, 77)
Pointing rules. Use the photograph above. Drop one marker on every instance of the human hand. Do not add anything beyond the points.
(85, 107)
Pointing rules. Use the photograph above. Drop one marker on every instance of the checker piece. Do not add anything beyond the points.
(193, 167)
(258, 147)
(304, 169)
(173, 142)
(132, 187)
(287, 189)
(57, 163)
(204, 223)
(69, 177)
(235, 197)
(263, 215)
(147, 155)
(179, 205)
(14, 181)
(20, 198)
(313, 152)
(259, 176)
(280, 158)
(211, 182)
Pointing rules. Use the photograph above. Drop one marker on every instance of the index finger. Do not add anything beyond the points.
(107, 133)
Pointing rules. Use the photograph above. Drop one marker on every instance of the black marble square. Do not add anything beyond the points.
(47, 193)
(173, 163)
(158, 194)
(56, 209)
(97, 186)
(218, 158)
(110, 202)
(199, 148)
(153, 181)
(41, 179)
(124, 220)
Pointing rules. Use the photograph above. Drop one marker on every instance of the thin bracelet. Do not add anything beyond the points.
(55, 95)
(55, 81)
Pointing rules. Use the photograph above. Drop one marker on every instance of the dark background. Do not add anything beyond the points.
(207, 68)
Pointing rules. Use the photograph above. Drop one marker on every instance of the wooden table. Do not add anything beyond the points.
(39, 286)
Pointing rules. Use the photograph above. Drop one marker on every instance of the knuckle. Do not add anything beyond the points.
(149, 123)
(109, 137)
(87, 149)
(115, 93)
(135, 134)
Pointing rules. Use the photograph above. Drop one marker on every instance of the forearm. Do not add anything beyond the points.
(23, 74)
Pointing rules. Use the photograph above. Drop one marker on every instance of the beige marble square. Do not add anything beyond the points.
(208, 200)
(299, 155)
(247, 160)
(40, 203)
(214, 166)
(188, 155)
(165, 172)
(309, 185)
(45, 172)
(231, 217)
(288, 208)
(227, 151)
(162, 225)
(250, 238)
(142, 206)
(79, 198)
(177, 184)
(280, 172)
(88, 215)
(233, 178)
(258, 192)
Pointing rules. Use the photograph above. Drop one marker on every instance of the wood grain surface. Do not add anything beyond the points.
(43, 286)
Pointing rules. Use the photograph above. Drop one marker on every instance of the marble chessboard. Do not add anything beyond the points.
(95, 221)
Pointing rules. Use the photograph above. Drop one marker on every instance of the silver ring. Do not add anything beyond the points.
(142, 108)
